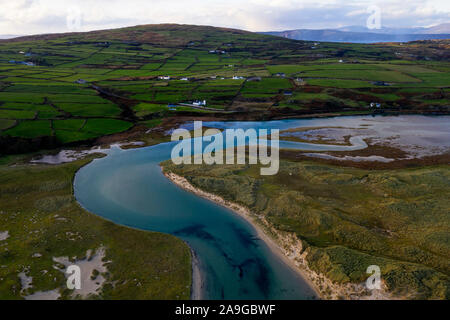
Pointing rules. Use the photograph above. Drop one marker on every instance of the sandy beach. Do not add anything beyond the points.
(244, 213)
(197, 286)
(288, 248)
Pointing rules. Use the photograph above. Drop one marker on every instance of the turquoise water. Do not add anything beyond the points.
(128, 188)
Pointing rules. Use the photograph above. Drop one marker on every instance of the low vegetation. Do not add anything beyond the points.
(349, 219)
(44, 221)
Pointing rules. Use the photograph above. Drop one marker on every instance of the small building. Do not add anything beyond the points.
(164, 78)
(199, 103)
(217, 52)
(103, 44)
(238, 78)
(287, 93)
(280, 74)
(375, 105)
(184, 79)
(81, 81)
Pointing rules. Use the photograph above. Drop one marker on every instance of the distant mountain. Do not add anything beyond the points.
(359, 34)
(8, 36)
(439, 29)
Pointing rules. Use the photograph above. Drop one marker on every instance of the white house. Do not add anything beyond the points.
(217, 51)
(375, 105)
(164, 78)
(199, 103)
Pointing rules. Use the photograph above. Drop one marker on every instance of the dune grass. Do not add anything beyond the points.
(351, 218)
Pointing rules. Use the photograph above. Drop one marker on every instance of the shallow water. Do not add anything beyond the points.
(128, 188)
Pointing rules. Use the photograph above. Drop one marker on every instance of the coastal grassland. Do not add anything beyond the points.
(38, 209)
(349, 219)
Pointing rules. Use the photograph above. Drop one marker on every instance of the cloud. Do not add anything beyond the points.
(44, 16)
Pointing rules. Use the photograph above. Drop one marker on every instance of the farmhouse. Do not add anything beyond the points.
(199, 103)
(217, 51)
(375, 105)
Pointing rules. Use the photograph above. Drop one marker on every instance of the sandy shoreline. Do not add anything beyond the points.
(197, 286)
(244, 213)
(288, 248)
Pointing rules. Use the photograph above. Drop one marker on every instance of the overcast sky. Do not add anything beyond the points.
(19, 17)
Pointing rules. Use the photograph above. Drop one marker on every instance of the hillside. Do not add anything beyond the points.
(60, 89)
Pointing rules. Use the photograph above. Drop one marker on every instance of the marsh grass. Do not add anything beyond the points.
(39, 211)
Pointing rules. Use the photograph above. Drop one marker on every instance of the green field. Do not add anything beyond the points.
(30, 129)
(333, 77)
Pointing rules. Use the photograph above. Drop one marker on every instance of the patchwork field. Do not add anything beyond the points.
(142, 73)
